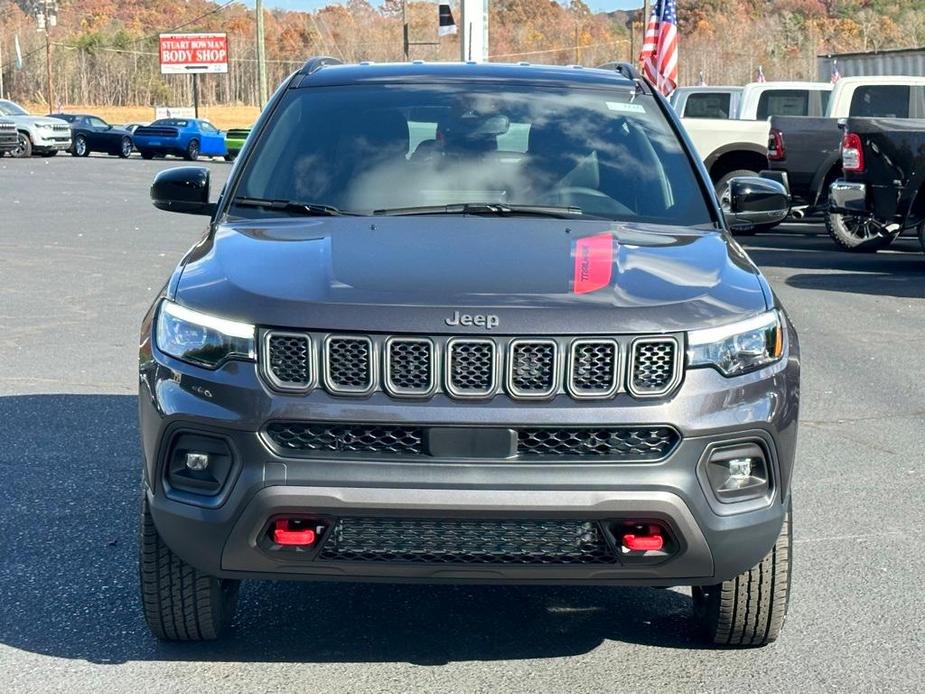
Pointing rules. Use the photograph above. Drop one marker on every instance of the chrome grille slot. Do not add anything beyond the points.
(349, 364)
(288, 360)
(471, 367)
(655, 368)
(593, 368)
(410, 367)
(533, 368)
(638, 444)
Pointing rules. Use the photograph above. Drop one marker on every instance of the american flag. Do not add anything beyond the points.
(761, 78)
(659, 55)
(836, 75)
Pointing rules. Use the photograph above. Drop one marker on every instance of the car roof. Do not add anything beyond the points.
(418, 71)
(881, 79)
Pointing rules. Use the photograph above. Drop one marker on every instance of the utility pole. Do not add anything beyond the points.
(45, 20)
(262, 94)
(1, 69)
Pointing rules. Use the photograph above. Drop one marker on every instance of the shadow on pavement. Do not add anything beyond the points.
(897, 274)
(69, 493)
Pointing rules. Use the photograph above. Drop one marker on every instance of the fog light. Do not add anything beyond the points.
(738, 472)
(197, 462)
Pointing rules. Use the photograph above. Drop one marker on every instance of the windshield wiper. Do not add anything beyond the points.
(486, 208)
(309, 209)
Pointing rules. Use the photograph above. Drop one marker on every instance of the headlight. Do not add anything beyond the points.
(45, 126)
(738, 348)
(200, 338)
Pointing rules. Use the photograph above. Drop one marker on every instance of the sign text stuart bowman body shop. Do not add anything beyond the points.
(188, 53)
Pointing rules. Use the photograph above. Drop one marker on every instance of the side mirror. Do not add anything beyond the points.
(183, 189)
(749, 201)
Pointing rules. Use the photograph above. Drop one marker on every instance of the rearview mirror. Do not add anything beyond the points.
(749, 201)
(183, 189)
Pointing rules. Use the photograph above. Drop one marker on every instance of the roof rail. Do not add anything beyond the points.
(625, 69)
(316, 63)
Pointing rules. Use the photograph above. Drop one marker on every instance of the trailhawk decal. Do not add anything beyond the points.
(593, 259)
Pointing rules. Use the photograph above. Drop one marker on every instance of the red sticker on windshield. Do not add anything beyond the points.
(593, 256)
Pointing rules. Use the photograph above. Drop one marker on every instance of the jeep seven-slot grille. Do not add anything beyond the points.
(417, 366)
(604, 444)
(654, 366)
(458, 541)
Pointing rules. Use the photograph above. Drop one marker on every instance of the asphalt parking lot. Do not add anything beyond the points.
(82, 252)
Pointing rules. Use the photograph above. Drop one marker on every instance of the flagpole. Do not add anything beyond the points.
(646, 11)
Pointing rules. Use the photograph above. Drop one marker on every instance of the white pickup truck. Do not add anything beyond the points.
(739, 147)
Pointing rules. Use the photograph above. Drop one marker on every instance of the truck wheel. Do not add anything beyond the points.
(192, 151)
(722, 188)
(23, 148)
(231, 156)
(858, 234)
(179, 602)
(750, 609)
(921, 232)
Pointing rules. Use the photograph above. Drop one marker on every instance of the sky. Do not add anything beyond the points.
(595, 5)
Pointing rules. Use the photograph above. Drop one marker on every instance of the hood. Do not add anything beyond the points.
(426, 274)
(37, 120)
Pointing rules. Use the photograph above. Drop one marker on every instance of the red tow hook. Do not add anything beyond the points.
(644, 543)
(285, 535)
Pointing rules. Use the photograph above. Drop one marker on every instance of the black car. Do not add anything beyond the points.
(93, 134)
(476, 323)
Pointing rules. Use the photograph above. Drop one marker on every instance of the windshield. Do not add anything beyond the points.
(8, 108)
(368, 148)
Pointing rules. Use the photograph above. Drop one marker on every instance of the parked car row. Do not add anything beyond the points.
(84, 133)
(798, 134)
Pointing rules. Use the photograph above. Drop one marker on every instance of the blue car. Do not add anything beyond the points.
(189, 138)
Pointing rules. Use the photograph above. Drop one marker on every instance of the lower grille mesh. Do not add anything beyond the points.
(355, 438)
(451, 541)
(642, 444)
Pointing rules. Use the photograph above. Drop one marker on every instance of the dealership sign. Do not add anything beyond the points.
(191, 53)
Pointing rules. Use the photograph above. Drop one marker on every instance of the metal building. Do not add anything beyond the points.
(905, 61)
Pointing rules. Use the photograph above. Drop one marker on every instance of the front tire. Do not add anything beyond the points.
(749, 610)
(23, 147)
(81, 148)
(180, 603)
(192, 151)
(145, 154)
(921, 234)
(858, 234)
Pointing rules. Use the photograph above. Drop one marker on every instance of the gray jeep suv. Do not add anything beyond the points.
(468, 323)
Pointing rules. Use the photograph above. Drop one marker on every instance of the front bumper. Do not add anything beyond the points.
(51, 141)
(222, 535)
